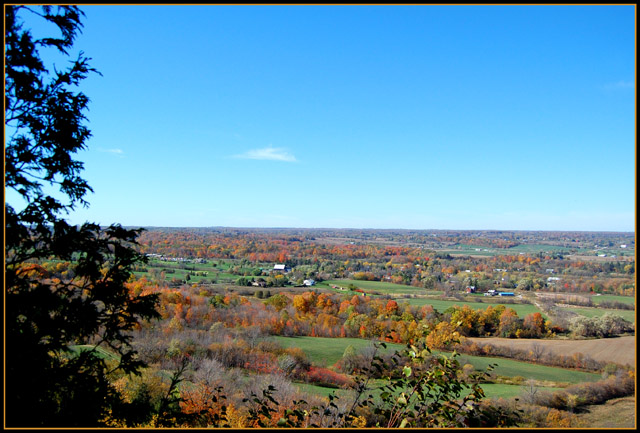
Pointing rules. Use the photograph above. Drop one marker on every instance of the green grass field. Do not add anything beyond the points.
(475, 250)
(598, 312)
(326, 351)
(324, 285)
(511, 368)
(384, 287)
(100, 351)
(492, 390)
(323, 391)
(499, 390)
(219, 272)
(470, 252)
(613, 298)
(539, 248)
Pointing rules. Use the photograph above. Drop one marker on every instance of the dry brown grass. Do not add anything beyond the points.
(621, 350)
(616, 413)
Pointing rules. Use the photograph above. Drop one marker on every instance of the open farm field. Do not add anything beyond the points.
(621, 350)
(629, 315)
(623, 256)
(327, 351)
(613, 298)
(511, 368)
(492, 390)
(559, 297)
(590, 254)
(383, 287)
(540, 248)
(217, 270)
(500, 390)
(324, 391)
(101, 352)
(475, 250)
(441, 305)
(324, 285)
(181, 274)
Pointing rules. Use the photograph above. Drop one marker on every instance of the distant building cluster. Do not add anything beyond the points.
(494, 292)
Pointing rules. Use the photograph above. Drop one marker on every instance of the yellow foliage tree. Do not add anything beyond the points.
(443, 336)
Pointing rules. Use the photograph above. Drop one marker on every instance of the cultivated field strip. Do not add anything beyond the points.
(621, 350)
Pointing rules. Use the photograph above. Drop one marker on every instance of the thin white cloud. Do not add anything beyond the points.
(268, 154)
(620, 85)
(117, 152)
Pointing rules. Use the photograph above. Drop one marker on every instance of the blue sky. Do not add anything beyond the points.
(421, 117)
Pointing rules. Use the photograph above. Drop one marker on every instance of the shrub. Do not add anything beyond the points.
(589, 393)
(325, 377)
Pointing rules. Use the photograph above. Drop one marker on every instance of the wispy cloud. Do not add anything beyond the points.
(268, 154)
(117, 152)
(619, 85)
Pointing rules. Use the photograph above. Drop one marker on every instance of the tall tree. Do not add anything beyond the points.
(48, 381)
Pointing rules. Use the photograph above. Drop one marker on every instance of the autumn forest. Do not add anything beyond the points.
(239, 310)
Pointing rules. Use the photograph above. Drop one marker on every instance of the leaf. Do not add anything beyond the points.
(406, 371)
(403, 423)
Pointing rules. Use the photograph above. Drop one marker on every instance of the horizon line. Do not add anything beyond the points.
(375, 229)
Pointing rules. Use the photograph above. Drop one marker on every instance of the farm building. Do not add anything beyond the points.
(309, 282)
(281, 268)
